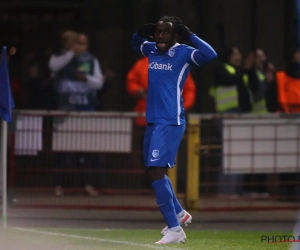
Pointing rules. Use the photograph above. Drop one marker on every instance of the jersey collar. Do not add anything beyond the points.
(169, 52)
(175, 45)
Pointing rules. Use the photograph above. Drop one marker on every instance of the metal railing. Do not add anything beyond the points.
(245, 161)
(224, 161)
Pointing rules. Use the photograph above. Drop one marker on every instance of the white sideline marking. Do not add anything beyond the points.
(93, 238)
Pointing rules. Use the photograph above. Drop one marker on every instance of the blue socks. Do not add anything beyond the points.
(164, 198)
(177, 206)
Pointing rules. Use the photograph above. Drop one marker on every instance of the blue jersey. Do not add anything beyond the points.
(167, 73)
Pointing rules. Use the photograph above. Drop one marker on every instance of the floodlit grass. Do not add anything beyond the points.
(114, 239)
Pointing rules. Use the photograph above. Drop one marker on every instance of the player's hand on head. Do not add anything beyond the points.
(183, 31)
(147, 31)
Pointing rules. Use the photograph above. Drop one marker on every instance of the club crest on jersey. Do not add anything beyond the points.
(155, 153)
(171, 52)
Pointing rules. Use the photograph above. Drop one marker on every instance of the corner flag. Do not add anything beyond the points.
(6, 106)
(6, 98)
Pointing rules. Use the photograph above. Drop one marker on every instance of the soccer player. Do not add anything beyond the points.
(169, 65)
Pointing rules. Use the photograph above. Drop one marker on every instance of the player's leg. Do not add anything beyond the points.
(183, 216)
(154, 159)
(157, 158)
(178, 207)
(174, 135)
(164, 196)
(164, 199)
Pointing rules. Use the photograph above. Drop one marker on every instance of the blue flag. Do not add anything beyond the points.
(6, 98)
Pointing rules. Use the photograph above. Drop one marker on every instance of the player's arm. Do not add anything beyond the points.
(140, 39)
(96, 80)
(57, 62)
(203, 52)
(189, 92)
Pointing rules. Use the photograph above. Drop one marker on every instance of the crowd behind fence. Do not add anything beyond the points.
(224, 161)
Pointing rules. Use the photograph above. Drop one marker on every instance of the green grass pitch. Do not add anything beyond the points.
(125, 239)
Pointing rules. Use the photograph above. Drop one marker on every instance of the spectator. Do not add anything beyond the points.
(271, 92)
(263, 88)
(77, 76)
(230, 81)
(261, 78)
(288, 84)
(232, 95)
(256, 79)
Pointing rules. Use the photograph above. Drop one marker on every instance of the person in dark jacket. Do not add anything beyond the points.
(232, 95)
(230, 79)
(262, 83)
